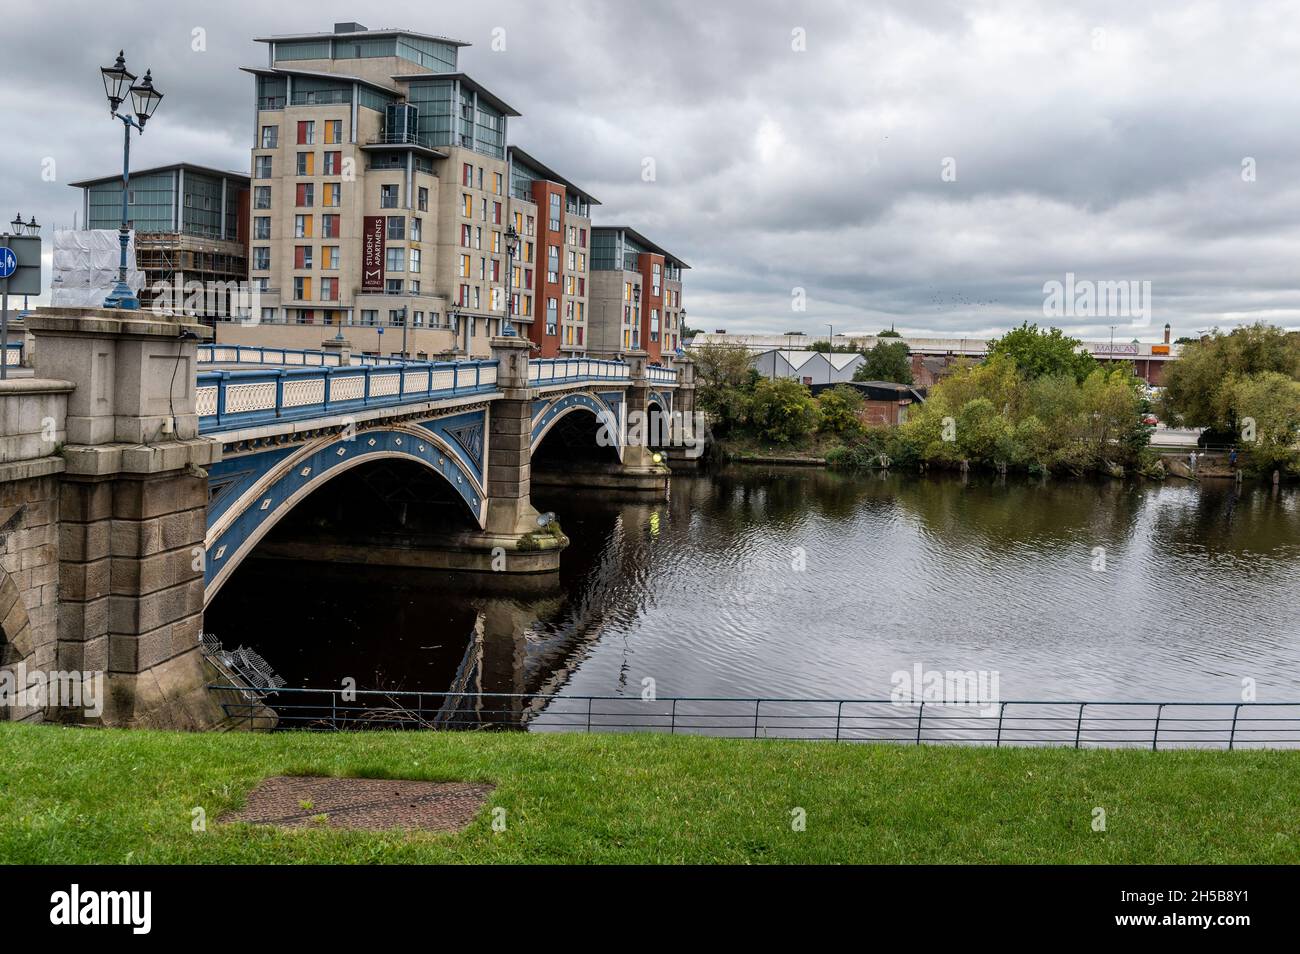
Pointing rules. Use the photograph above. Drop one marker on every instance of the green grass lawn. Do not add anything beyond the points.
(103, 796)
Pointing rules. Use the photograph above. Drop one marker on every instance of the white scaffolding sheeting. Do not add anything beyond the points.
(85, 267)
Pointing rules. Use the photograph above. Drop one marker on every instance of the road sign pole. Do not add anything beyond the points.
(4, 331)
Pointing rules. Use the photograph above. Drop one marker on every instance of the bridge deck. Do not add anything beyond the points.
(240, 386)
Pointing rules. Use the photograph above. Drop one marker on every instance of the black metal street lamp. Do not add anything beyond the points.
(118, 81)
(33, 228)
(17, 224)
(512, 246)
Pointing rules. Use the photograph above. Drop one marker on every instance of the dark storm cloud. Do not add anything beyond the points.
(1105, 139)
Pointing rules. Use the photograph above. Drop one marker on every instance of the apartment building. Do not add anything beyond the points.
(190, 223)
(383, 192)
(636, 295)
(553, 218)
(359, 210)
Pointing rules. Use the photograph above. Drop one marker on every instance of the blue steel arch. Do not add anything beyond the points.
(606, 406)
(270, 484)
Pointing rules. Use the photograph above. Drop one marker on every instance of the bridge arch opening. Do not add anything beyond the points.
(377, 501)
(577, 439)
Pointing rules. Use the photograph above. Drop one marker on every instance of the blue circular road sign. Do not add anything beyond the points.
(8, 262)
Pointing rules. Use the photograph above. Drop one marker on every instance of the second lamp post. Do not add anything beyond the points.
(144, 100)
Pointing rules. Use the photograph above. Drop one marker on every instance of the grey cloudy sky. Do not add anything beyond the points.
(1105, 139)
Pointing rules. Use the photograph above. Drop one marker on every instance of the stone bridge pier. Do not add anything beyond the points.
(124, 493)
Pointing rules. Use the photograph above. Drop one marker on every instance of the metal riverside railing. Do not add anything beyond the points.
(1075, 724)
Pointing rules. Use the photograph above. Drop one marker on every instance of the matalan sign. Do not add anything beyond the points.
(372, 254)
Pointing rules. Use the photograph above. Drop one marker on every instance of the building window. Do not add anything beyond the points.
(305, 166)
(554, 224)
(397, 227)
(329, 226)
(417, 230)
(301, 288)
(388, 196)
(395, 259)
(552, 315)
(552, 263)
(306, 195)
(496, 213)
(466, 175)
(466, 236)
(333, 195)
(369, 316)
(270, 137)
(424, 199)
(415, 261)
(307, 133)
(302, 256)
(333, 163)
(261, 227)
(262, 167)
(333, 130)
(329, 289)
(467, 205)
(261, 197)
(330, 257)
(497, 183)
(261, 258)
(393, 286)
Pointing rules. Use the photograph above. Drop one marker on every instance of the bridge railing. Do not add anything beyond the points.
(557, 370)
(14, 354)
(240, 398)
(251, 354)
(1072, 724)
(661, 375)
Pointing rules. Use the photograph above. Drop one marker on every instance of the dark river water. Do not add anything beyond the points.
(794, 582)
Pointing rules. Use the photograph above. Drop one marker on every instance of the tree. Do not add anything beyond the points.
(1267, 406)
(1196, 386)
(721, 366)
(724, 375)
(841, 410)
(889, 333)
(783, 410)
(1038, 353)
(887, 361)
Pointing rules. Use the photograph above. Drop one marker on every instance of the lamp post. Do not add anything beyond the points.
(144, 100)
(512, 246)
(31, 228)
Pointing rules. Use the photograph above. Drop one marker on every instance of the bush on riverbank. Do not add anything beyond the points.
(91, 796)
(997, 416)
